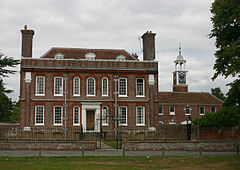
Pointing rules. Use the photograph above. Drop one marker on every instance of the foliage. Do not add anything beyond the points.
(226, 26)
(7, 62)
(6, 105)
(9, 111)
(217, 93)
(227, 117)
(233, 98)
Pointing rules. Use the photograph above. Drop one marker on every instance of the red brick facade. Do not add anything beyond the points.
(141, 110)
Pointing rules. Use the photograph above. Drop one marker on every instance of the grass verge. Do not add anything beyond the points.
(108, 162)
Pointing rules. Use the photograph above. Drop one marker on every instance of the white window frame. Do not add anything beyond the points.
(200, 110)
(172, 113)
(142, 116)
(122, 124)
(54, 116)
(172, 123)
(143, 89)
(76, 92)
(38, 86)
(94, 86)
(215, 109)
(162, 110)
(187, 108)
(105, 119)
(36, 109)
(60, 88)
(160, 122)
(103, 87)
(74, 113)
(119, 92)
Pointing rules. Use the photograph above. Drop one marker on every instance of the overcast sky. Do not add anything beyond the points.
(116, 24)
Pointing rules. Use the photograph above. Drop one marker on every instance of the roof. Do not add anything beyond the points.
(188, 98)
(79, 53)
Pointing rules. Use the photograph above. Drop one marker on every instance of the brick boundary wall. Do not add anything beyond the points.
(205, 146)
(23, 145)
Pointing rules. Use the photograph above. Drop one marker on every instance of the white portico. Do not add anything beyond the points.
(91, 116)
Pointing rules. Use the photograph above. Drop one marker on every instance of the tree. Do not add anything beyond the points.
(217, 93)
(226, 30)
(6, 105)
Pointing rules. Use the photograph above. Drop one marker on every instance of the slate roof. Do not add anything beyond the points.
(79, 53)
(188, 98)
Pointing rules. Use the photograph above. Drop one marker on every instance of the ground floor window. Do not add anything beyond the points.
(123, 116)
(39, 115)
(76, 116)
(105, 116)
(140, 116)
(57, 115)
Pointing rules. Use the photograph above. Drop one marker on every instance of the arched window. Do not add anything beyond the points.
(76, 86)
(105, 86)
(105, 114)
(76, 116)
(90, 86)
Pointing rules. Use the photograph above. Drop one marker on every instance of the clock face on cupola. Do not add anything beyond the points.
(181, 78)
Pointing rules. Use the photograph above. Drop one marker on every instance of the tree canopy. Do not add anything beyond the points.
(217, 93)
(8, 109)
(226, 30)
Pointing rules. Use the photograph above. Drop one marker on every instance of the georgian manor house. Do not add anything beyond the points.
(108, 88)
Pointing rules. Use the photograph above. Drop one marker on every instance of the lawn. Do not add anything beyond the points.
(90, 162)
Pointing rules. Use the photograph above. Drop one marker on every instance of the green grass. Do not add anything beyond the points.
(113, 144)
(107, 162)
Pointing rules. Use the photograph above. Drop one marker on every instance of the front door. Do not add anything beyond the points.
(90, 120)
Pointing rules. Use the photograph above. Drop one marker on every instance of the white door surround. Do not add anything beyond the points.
(91, 106)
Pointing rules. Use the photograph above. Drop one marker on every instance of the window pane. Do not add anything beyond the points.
(123, 115)
(39, 115)
(172, 109)
(76, 86)
(213, 109)
(123, 86)
(140, 116)
(187, 110)
(140, 86)
(105, 116)
(105, 87)
(91, 86)
(58, 86)
(160, 110)
(202, 110)
(57, 115)
(40, 85)
(76, 115)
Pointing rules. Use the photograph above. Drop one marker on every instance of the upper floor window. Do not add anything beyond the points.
(58, 115)
(58, 86)
(121, 58)
(140, 116)
(122, 87)
(39, 115)
(59, 56)
(40, 86)
(105, 86)
(76, 116)
(140, 87)
(105, 116)
(90, 86)
(187, 110)
(123, 116)
(160, 110)
(76, 86)
(213, 109)
(172, 110)
(90, 56)
(202, 110)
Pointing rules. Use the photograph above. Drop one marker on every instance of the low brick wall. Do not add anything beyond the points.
(21, 145)
(207, 146)
(232, 133)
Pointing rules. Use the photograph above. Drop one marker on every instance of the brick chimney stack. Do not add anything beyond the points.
(148, 45)
(27, 36)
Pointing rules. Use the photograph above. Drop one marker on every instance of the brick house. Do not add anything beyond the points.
(93, 88)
